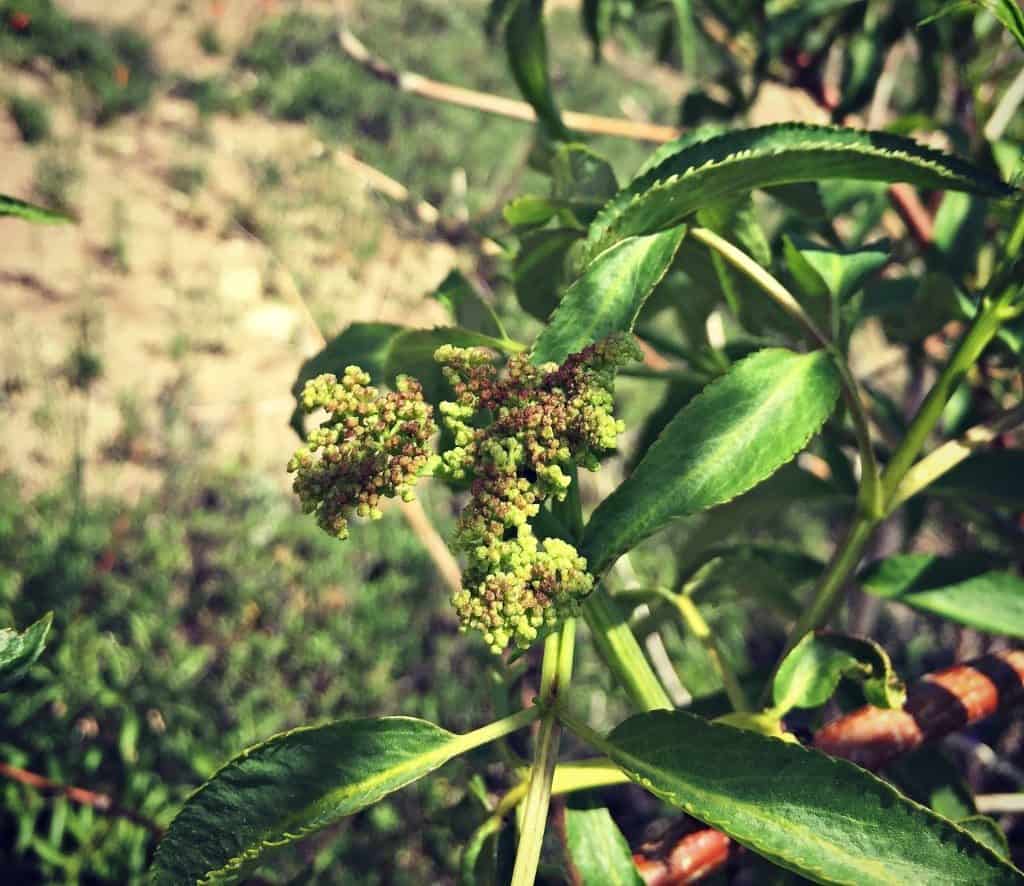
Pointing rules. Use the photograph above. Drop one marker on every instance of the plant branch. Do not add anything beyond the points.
(951, 453)
(991, 315)
(696, 624)
(618, 647)
(100, 802)
(555, 675)
(435, 90)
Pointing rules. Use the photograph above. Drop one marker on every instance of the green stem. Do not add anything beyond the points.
(695, 622)
(556, 672)
(870, 485)
(989, 318)
(950, 454)
(618, 647)
(497, 729)
(844, 560)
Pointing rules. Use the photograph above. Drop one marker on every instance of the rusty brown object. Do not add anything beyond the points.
(688, 859)
(937, 705)
(100, 802)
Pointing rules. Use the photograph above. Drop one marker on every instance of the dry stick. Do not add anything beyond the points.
(100, 802)
(937, 704)
(417, 84)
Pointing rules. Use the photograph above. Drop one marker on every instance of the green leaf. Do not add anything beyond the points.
(597, 850)
(686, 32)
(740, 161)
(822, 271)
(987, 832)
(580, 175)
(412, 353)
(959, 232)
(994, 477)
(929, 777)
(609, 295)
(526, 45)
(530, 211)
(1008, 12)
(736, 433)
(291, 785)
(488, 857)
(466, 306)
(361, 344)
(810, 674)
(540, 267)
(825, 819)
(15, 208)
(956, 588)
(18, 652)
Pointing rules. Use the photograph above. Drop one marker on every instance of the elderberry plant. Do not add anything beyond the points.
(749, 312)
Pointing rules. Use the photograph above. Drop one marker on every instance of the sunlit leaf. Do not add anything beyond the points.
(735, 434)
(825, 819)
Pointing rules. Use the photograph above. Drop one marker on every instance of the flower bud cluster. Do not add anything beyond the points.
(370, 445)
(516, 436)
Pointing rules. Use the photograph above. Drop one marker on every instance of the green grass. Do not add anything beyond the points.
(115, 68)
(32, 118)
(194, 624)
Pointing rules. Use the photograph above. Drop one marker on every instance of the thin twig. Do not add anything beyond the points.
(416, 84)
(100, 802)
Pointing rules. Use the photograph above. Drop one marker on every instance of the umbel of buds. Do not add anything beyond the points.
(370, 445)
(515, 436)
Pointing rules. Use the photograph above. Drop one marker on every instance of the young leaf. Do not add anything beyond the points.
(597, 850)
(823, 271)
(530, 211)
(609, 295)
(736, 433)
(954, 588)
(488, 857)
(1008, 12)
(527, 50)
(466, 306)
(810, 674)
(290, 786)
(361, 344)
(987, 832)
(825, 819)
(18, 652)
(738, 162)
(15, 208)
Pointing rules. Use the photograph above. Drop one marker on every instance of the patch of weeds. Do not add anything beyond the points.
(212, 95)
(186, 177)
(209, 40)
(115, 254)
(129, 443)
(84, 365)
(115, 68)
(57, 176)
(32, 118)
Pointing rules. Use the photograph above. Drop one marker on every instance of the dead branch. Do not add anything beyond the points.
(100, 802)
(424, 87)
